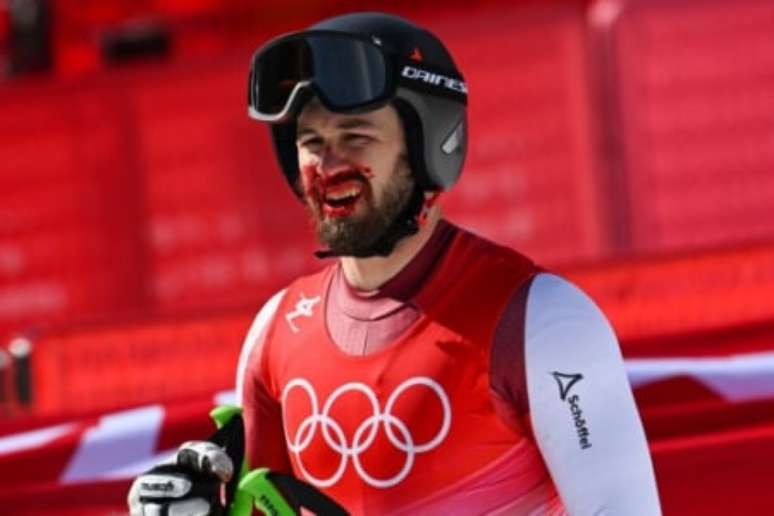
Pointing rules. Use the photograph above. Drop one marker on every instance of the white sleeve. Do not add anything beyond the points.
(254, 339)
(582, 409)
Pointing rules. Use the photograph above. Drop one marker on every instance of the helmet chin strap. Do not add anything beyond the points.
(407, 223)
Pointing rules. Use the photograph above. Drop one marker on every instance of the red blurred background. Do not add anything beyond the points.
(627, 144)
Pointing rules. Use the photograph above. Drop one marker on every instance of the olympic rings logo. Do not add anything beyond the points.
(366, 432)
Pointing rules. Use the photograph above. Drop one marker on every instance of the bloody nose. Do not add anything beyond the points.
(331, 163)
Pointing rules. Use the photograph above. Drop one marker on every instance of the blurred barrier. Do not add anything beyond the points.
(705, 391)
(86, 30)
(101, 498)
(81, 466)
(716, 473)
(684, 322)
(683, 293)
(102, 368)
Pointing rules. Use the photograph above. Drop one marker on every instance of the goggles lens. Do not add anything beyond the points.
(346, 73)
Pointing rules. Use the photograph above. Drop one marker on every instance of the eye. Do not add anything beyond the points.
(357, 139)
(310, 142)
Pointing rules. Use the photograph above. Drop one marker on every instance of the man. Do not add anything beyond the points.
(426, 370)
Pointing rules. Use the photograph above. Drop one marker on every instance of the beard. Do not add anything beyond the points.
(358, 233)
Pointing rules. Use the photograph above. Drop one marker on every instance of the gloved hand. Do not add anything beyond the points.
(191, 484)
(200, 480)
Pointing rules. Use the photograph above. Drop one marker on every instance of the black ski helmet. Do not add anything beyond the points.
(430, 97)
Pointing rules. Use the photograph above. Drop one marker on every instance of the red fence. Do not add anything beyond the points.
(686, 292)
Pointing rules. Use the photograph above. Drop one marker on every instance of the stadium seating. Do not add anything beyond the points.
(691, 88)
(531, 165)
(162, 194)
(65, 251)
(224, 229)
(143, 220)
(5, 42)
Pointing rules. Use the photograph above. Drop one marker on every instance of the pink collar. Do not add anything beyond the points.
(398, 291)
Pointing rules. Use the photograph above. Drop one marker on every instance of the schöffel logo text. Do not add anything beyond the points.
(566, 382)
(435, 79)
(580, 423)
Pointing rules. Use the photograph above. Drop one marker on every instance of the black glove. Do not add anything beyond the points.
(193, 484)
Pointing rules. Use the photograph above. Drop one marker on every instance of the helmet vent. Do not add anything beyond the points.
(454, 140)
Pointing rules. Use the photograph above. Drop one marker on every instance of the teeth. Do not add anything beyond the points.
(342, 194)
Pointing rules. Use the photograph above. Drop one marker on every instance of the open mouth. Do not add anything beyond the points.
(340, 194)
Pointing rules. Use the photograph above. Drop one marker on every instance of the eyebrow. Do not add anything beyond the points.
(348, 123)
(355, 123)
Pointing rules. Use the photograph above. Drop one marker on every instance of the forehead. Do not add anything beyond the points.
(315, 117)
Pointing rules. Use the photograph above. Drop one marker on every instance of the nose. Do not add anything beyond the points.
(331, 162)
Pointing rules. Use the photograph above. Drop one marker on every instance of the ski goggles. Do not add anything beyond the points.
(348, 73)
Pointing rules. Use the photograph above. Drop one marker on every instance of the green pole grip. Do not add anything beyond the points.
(242, 504)
(222, 414)
(265, 494)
